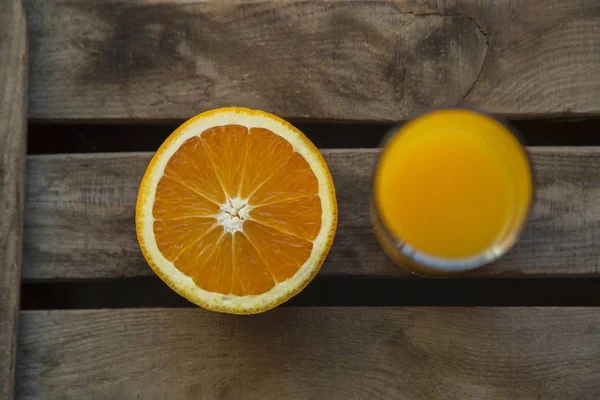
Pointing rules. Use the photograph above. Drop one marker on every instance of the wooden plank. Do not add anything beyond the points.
(333, 353)
(370, 61)
(80, 217)
(13, 138)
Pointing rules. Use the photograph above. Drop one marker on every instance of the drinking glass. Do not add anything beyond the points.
(451, 192)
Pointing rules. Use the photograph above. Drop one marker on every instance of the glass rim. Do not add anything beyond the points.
(442, 264)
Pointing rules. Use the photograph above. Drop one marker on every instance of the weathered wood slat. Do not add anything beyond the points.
(13, 137)
(80, 217)
(370, 60)
(308, 353)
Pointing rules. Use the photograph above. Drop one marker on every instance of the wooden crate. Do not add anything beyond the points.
(96, 324)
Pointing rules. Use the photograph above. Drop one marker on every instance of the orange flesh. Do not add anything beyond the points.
(276, 235)
(453, 183)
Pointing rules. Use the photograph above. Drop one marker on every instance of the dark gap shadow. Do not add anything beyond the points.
(96, 138)
(328, 291)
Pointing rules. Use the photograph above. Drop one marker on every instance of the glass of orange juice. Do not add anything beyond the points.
(451, 192)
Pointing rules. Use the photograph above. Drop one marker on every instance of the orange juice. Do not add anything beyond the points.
(451, 191)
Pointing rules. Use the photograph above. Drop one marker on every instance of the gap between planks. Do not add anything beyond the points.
(325, 291)
(94, 138)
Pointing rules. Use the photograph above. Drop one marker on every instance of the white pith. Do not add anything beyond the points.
(234, 213)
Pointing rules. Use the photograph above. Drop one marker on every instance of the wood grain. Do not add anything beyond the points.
(332, 353)
(13, 137)
(346, 60)
(80, 218)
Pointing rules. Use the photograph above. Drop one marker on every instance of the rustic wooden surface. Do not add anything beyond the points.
(308, 353)
(13, 126)
(365, 61)
(79, 219)
(348, 60)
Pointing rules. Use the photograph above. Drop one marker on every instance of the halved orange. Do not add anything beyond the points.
(236, 211)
